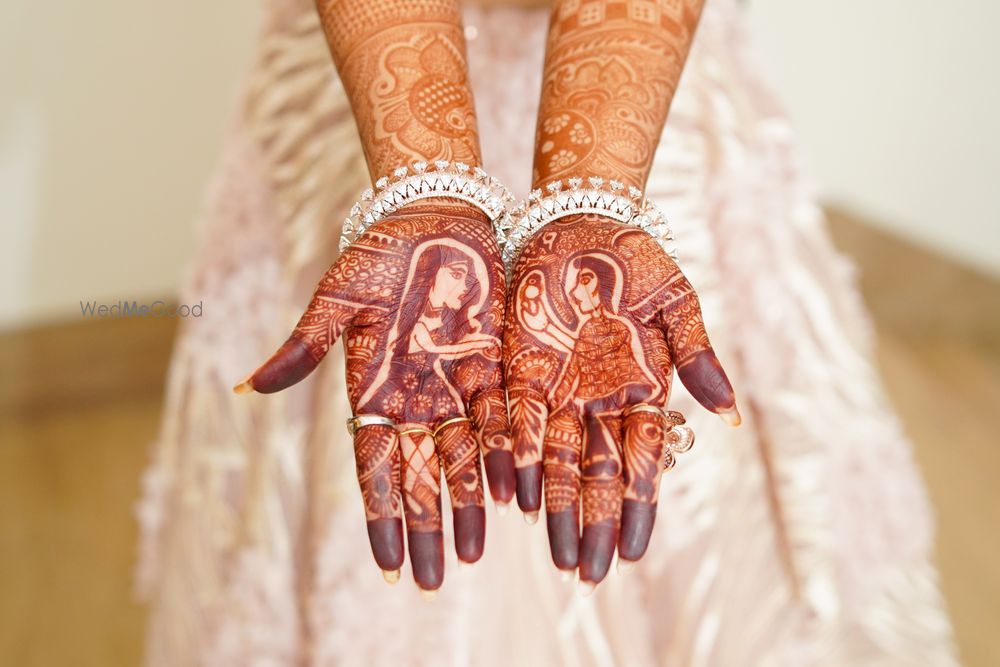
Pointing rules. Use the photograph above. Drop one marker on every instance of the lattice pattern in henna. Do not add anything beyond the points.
(421, 483)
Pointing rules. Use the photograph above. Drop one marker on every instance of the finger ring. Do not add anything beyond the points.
(416, 429)
(358, 421)
(675, 417)
(680, 439)
(449, 422)
(646, 407)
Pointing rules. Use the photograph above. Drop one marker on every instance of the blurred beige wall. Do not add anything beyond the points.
(112, 113)
(897, 105)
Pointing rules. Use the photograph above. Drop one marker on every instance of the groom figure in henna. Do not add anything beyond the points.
(603, 371)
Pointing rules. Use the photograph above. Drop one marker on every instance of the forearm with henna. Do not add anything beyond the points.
(611, 69)
(418, 297)
(403, 66)
(598, 315)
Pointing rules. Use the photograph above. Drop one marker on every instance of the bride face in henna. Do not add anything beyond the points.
(445, 274)
(450, 285)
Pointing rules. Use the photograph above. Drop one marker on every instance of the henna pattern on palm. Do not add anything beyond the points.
(419, 299)
(598, 316)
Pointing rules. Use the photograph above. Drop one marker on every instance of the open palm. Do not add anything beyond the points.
(598, 317)
(419, 298)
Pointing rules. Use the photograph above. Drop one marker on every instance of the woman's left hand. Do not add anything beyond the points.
(419, 298)
(598, 316)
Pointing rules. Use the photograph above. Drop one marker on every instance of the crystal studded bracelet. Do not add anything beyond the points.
(454, 180)
(614, 200)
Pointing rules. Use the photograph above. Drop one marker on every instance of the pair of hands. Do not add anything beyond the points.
(596, 318)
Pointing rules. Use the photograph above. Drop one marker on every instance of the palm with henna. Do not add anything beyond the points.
(419, 302)
(419, 297)
(598, 315)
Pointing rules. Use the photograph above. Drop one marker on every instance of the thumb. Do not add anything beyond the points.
(326, 317)
(697, 366)
(703, 376)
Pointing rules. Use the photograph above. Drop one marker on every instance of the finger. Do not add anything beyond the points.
(703, 376)
(317, 330)
(697, 366)
(563, 438)
(422, 508)
(643, 443)
(489, 415)
(376, 453)
(459, 453)
(528, 416)
(602, 488)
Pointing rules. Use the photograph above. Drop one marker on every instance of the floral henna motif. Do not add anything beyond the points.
(597, 315)
(403, 66)
(611, 69)
(419, 299)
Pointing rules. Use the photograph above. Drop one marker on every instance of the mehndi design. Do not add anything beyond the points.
(419, 300)
(598, 313)
(598, 316)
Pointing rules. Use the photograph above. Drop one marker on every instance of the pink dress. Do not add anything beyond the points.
(801, 538)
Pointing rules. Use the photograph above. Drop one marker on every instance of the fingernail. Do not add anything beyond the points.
(501, 509)
(462, 565)
(427, 595)
(244, 387)
(567, 575)
(390, 576)
(585, 588)
(731, 416)
(531, 518)
(625, 566)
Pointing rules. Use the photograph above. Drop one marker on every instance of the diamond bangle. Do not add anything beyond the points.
(420, 180)
(614, 200)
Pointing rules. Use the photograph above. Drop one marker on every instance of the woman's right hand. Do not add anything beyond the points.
(434, 262)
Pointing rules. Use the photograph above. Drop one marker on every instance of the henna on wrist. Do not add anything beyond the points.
(611, 69)
(403, 66)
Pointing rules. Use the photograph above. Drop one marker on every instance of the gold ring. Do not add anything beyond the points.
(358, 421)
(645, 407)
(416, 429)
(449, 422)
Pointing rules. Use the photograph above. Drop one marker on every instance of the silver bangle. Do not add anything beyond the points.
(613, 201)
(454, 180)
